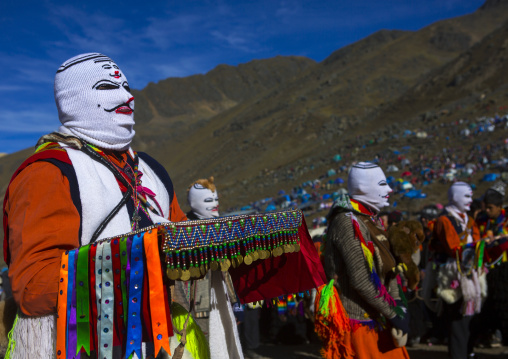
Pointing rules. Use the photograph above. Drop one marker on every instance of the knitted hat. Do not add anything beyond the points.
(94, 101)
(495, 194)
(499, 186)
(367, 184)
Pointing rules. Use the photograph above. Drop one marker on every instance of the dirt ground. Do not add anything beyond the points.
(419, 351)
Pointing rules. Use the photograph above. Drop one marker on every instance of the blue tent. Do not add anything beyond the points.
(327, 196)
(339, 180)
(414, 194)
(270, 207)
(281, 192)
(490, 177)
(337, 158)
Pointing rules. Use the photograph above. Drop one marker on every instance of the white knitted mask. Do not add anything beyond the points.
(367, 184)
(460, 195)
(204, 203)
(94, 101)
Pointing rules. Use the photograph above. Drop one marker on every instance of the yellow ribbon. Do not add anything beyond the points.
(368, 256)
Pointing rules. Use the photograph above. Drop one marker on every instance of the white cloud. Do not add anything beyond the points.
(179, 68)
(170, 30)
(28, 121)
(232, 39)
(287, 9)
(22, 70)
(11, 88)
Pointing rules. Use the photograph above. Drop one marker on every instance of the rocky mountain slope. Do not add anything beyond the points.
(307, 119)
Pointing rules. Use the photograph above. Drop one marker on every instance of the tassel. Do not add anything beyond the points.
(325, 302)
(332, 324)
(368, 257)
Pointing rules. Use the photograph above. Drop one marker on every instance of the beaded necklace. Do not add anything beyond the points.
(133, 179)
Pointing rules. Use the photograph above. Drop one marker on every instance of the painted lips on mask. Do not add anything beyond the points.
(123, 109)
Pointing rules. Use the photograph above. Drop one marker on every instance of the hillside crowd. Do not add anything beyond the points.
(409, 170)
(103, 262)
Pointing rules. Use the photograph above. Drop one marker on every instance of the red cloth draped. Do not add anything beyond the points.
(286, 274)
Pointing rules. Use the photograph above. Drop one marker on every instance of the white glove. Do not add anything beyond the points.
(399, 338)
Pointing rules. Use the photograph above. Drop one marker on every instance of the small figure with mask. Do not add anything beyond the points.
(203, 199)
(370, 320)
(214, 292)
(455, 236)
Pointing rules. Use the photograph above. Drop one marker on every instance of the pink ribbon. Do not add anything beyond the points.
(148, 192)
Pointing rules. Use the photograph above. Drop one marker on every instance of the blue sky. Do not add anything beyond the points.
(161, 39)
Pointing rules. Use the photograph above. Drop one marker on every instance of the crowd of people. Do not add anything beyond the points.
(410, 168)
(390, 282)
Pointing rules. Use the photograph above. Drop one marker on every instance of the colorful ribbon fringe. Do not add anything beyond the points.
(112, 294)
(291, 304)
(101, 303)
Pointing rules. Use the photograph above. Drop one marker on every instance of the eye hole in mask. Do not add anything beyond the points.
(106, 85)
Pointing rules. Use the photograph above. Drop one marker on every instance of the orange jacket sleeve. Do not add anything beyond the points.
(43, 223)
(447, 237)
(175, 212)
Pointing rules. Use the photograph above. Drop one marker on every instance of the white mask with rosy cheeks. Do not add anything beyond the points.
(204, 203)
(94, 101)
(367, 185)
(460, 195)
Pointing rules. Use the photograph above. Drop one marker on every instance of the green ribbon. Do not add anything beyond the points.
(107, 303)
(98, 289)
(480, 251)
(123, 261)
(83, 301)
